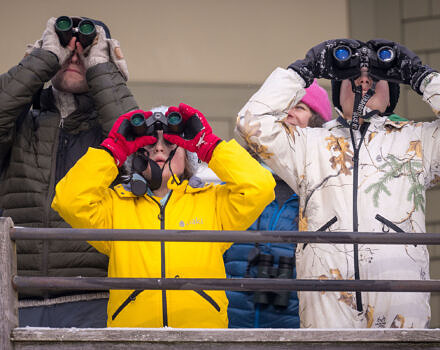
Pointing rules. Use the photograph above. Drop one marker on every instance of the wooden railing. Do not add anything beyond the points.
(13, 337)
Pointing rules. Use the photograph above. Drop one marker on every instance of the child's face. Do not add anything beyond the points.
(159, 152)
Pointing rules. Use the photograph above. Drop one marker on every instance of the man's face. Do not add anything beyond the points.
(72, 76)
(380, 100)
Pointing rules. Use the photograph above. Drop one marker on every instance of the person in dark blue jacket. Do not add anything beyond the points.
(270, 309)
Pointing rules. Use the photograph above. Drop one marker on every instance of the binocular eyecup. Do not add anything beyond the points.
(266, 269)
(344, 56)
(385, 54)
(171, 124)
(67, 27)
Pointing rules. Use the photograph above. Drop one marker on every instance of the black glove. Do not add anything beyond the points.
(405, 68)
(320, 63)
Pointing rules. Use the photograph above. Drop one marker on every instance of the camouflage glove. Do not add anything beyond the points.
(405, 68)
(319, 62)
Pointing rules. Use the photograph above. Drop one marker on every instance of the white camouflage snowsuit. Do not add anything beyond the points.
(397, 162)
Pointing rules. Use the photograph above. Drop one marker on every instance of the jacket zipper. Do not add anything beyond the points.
(50, 193)
(363, 130)
(162, 260)
(134, 294)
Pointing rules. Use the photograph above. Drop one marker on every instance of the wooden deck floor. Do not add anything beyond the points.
(172, 338)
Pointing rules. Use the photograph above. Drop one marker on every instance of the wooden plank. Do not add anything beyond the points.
(8, 296)
(243, 336)
(226, 346)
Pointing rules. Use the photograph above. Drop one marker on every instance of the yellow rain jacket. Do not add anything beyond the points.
(83, 198)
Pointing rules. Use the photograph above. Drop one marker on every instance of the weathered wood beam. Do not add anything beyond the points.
(175, 338)
(237, 284)
(8, 295)
(224, 236)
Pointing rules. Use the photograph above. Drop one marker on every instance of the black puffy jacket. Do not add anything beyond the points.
(36, 152)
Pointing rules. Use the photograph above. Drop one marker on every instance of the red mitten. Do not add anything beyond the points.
(197, 134)
(122, 142)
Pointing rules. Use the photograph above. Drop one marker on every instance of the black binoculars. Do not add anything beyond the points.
(171, 124)
(67, 27)
(344, 56)
(266, 269)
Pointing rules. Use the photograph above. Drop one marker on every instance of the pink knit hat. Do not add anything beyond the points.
(317, 99)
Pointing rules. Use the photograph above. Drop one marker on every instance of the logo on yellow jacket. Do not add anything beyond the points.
(195, 221)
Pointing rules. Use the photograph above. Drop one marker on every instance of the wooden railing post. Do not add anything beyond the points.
(8, 295)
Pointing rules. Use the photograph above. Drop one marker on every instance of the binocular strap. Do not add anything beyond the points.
(172, 153)
(140, 164)
(156, 171)
(156, 175)
(360, 102)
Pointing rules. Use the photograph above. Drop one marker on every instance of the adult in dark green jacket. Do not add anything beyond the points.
(39, 144)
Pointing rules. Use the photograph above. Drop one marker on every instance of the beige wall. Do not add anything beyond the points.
(211, 54)
(203, 41)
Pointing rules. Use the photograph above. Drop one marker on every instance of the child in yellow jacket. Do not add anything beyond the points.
(85, 200)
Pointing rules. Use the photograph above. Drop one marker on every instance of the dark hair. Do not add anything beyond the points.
(315, 120)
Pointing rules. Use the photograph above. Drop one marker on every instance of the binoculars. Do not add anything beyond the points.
(171, 124)
(344, 56)
(266, 269)
(67, 27)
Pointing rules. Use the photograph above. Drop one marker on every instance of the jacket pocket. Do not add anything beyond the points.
(324, 227)
(387, 223)
(208, 298)
(130, 298)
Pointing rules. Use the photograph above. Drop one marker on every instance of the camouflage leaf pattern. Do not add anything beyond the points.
(398, 161)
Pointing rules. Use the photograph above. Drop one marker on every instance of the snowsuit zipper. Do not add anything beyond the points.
(356, 149)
